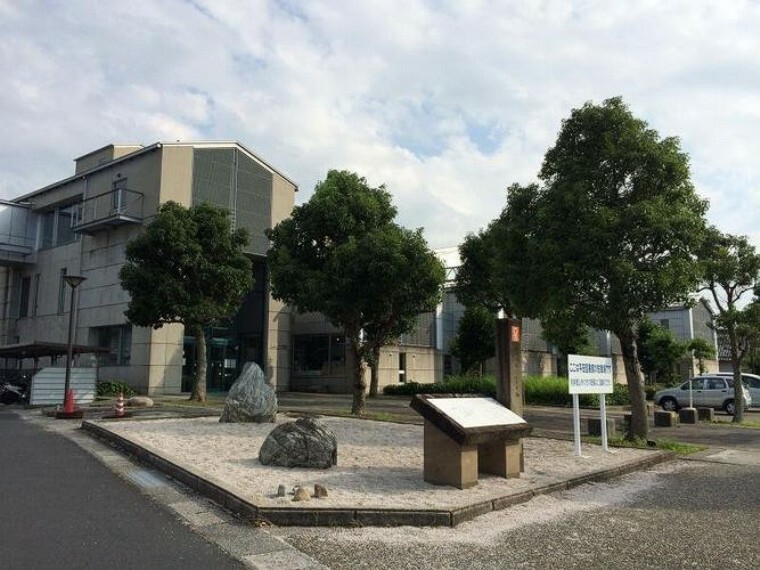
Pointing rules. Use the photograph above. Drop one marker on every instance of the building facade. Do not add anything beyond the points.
(80, 226)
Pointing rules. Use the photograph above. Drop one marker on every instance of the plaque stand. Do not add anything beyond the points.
(465, 435)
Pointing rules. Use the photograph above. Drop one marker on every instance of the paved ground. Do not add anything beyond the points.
(697, 513)
(61, 508)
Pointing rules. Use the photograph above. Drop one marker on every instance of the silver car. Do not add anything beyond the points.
(751, 382)
(709, 391)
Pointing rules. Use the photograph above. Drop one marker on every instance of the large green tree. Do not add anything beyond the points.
(609, 234)
(187, 267)
(731, 271)
(474, 343)
(341, 254)
(659, 352)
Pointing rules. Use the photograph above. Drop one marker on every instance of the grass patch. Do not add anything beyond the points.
(662, 444)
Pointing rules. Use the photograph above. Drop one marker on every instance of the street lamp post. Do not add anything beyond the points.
(74, 281)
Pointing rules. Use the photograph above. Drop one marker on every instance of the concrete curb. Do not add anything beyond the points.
(285, 516)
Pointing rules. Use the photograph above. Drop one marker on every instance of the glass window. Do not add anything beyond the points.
(48, 229)
(310, 354)
(697, 384)
(715, 384)
(36, 295)
(63, 233)
(62, 291)
(23, 307)
(119, 340)
(319, 354)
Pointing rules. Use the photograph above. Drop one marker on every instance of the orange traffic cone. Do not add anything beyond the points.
(68, 401)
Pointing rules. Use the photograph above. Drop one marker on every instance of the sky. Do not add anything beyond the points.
(447, 103)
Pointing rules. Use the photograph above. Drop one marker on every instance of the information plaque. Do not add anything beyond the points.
(467, 434)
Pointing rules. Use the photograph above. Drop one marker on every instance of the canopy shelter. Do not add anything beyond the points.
(37, 350)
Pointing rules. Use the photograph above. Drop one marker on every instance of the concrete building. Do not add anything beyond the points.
(80, 225)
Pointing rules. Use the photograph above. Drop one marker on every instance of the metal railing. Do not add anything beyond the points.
(120, 205)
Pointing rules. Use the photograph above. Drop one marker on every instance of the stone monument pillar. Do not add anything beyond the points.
(509, 383)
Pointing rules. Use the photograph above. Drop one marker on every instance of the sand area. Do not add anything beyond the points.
(380, 464)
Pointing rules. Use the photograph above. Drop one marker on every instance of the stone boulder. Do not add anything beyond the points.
(250, 398)
(140, 402)
(303, 443)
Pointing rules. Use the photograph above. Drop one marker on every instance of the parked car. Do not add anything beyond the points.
(750, 381)
(709, 391)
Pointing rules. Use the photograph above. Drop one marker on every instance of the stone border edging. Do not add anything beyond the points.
(285, 516)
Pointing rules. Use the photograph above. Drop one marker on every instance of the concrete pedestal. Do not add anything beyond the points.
(687, 415)
(665, 419)
(595, 427)
(448, 463)
(706, 414)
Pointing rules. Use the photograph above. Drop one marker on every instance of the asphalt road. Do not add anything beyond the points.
(61, 508)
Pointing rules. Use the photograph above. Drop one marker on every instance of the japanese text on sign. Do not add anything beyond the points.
(589, 374)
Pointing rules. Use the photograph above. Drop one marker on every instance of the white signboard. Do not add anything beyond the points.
(476, 412)
(589, 374)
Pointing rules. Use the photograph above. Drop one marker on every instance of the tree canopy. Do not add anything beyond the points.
(342, 254)
(188, 267)
(731, 270)
(607, 236)
(474, 343)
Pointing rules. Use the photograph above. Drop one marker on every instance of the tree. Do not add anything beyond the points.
(342, 255)
(609, 236)
(475, 342)
(659, 351)
(701, 349)
(187, 267)
(731, 269)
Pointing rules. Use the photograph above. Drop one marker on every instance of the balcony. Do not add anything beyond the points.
(18, 228)
(108, 210)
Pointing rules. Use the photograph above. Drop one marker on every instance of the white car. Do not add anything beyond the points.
(708, 391)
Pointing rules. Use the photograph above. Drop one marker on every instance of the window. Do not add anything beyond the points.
(119, 197)
(697, 384)
(116, 338)
(62, 292)
(665, 323)
(23, 307)
(36, 295)
(56, 227)
(319, 354)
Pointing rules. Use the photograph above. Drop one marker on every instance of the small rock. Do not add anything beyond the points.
(140, 402)
(281, 491)
(301, 494)
(320, 491)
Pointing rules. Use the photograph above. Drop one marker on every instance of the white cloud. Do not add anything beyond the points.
(394, 90)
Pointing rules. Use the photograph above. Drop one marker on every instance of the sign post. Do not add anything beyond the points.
(589, 375)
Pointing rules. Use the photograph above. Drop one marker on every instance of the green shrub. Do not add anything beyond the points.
(451, 385)
(539, 390)
(113, 387)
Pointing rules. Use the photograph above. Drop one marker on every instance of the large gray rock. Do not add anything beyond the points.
(303, 443)
(250, 398)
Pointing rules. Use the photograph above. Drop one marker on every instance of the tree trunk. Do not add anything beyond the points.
(373, 376)
(199, 383)
(639, 427)
(360, 386)
(736, 364)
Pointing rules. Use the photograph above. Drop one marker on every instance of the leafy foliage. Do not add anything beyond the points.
(659, 352)
(701, 349)
(609, 235)
(342, 255)
(731, 269)
(475, 343)
(113, 388)
(187, 267)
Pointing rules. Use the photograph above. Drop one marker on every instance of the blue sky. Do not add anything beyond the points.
(447, 103)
